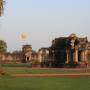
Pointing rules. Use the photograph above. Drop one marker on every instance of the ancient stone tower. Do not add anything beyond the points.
(26, 53)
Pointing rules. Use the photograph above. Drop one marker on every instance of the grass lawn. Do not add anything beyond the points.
(9, 82)
(15, 70)
(44, 83)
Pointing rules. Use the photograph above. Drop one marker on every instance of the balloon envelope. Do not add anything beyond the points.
(23, 36)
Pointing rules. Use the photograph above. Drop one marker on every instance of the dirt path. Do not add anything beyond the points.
(52, 75)
(49, 68)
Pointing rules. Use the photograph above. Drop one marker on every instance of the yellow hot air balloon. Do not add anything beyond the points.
(23, 35)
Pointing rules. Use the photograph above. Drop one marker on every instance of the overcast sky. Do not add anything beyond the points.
(43, 20)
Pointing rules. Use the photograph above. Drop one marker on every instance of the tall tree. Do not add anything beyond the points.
(1, 6)
(3, 46)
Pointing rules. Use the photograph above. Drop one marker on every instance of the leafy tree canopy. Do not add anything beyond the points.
(1, 6)
(3, 46)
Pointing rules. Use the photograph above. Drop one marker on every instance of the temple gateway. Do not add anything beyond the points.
(71, 51)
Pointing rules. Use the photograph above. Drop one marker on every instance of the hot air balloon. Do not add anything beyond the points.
(23, 35)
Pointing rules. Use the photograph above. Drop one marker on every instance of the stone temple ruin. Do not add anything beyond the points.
(68, 51)
(26, 53)
(71, 51)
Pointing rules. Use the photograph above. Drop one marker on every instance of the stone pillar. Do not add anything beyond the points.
(82, 56)
(76, 55)
(85, 55)
(67, 58)
(71, 55)
(39, 57)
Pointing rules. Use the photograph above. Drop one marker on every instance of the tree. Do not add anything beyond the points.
(3, 46)
(1, 6)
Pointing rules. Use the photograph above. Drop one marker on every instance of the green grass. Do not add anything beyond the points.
(14, 70)
(44, 83)
(8, 82)
(16, 65)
